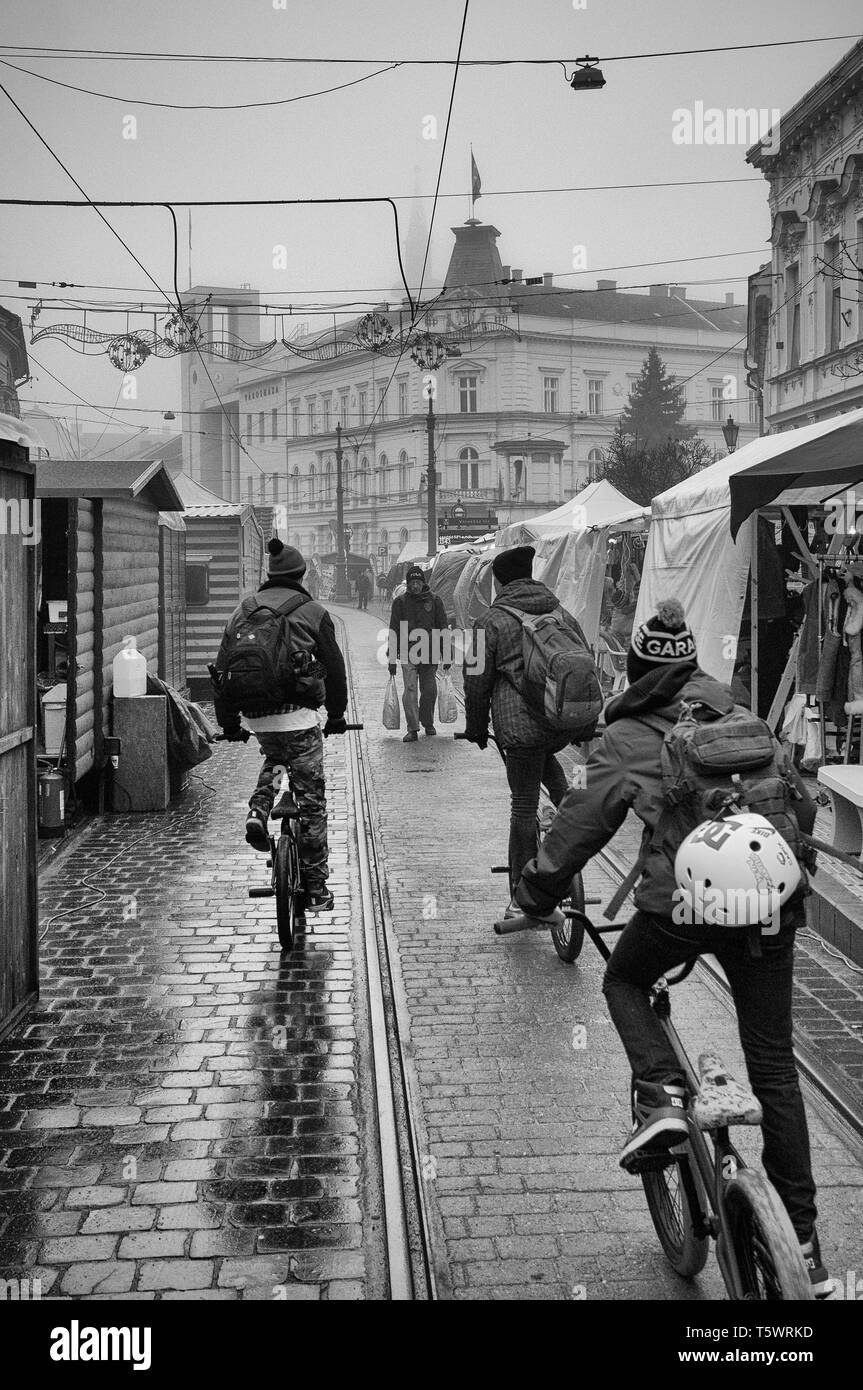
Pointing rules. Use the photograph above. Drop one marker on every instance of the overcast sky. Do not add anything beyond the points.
(529, 132)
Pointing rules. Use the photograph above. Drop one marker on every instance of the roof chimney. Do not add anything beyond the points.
(516, 276)
(729, 299)
(606, 284)
(547, 277)
(659, 291)
(507, 272)
(678, 291)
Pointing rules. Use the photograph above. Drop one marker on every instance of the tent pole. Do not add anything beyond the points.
(753, 618)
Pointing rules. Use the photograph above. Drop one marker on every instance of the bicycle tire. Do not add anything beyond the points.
(569, 938)
(286, 881)
(764, 1243)
(672, 1219)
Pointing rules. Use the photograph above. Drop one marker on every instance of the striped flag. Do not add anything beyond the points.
(475, 183)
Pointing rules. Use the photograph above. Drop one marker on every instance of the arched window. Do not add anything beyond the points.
(404, 537)
(468, 470)
(311, 497)
(295, 488)
(364, 477)
(383, 475)
(312, 549)
(594, 460)
(403, 471)
(295, 540)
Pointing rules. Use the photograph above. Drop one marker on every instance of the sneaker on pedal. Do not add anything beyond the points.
(256, 829)
(319, 900)
(658, 1122)
(822, 1285)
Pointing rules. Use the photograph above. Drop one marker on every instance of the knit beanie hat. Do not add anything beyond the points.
(414, 573)
(663, 640)
(513, 564)
(285, 561)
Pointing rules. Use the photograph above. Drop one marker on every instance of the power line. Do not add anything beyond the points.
(197, 105)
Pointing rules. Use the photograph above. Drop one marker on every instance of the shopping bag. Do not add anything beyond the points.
(447, 709)
(390, 717)
(794, 722)
(811, 757)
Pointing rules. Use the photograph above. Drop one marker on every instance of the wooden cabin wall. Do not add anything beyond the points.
(82, 605)
(18, 905)
(214, 541)
(130, 585)
(172, 606)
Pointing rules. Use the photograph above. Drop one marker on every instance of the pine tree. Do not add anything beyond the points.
(641, 473)
(654, 411)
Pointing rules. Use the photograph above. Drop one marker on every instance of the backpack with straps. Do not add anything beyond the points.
(560, 682)
(705, 755)
(269, 664)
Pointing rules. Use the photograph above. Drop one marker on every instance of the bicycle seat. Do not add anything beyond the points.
(721, 1099)
(285, 809)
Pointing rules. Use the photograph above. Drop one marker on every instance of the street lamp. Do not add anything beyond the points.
(730, 431)
(429, 352)
(342, 594)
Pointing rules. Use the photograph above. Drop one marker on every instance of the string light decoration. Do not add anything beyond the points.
(128, 352)
(374, 331)
(180, 333)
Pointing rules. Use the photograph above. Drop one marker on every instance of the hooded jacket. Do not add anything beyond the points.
(317, 626)
(492, 688)
(624, 773)
(422, 613)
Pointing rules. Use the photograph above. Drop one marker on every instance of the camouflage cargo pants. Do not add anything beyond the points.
(303, 754)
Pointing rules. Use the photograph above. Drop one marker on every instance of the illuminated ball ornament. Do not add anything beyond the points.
(374, 331)
(181, 334)
(128, 353)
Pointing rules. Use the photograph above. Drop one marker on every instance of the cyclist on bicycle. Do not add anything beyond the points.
(623, 773)
(289, 733)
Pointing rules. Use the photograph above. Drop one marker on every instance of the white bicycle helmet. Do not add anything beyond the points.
(736, 872)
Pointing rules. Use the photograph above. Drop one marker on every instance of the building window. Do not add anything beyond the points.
(467, 395)
(468, 470)
(382, 402)
(550, 394)
(248, 427)
(594, 463)
(311, 498)
(327, 481)
(403, 471)
(364, 477)
(326, 415)
(594, 395)
(197, 585)
(753, 407)
(361, 406)
(295, 420)
(295, 488)
(261, 426)
(403, 395)
(274, 423)
(717, 404)
(833, 283)
(792, 316)
(313, 416)
(343, 409)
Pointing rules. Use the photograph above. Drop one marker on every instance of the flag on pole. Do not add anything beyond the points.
(475, 182)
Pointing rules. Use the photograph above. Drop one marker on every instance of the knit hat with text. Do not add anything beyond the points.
(664, 639)
(285, 562)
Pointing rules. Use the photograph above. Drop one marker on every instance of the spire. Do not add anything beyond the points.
(475, 260)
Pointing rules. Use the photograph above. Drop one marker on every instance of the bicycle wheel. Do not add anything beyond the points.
(763, 1241)
(286, 879)
(569, 939)
(672, 1218)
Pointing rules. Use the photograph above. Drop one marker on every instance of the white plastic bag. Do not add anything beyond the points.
(811, 757)
(794, 721)
(447, 709)
(391, 717)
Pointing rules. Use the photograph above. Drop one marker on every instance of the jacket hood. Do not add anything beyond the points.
(662, 690)
(290, 585)
(528, 595)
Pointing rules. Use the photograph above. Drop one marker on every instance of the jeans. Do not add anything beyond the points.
(526, 769)
(424, 677)
(651, 946)
(302, 752)
(362, 600)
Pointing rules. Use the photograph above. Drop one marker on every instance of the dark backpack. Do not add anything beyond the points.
(560, 681)
(267, 664)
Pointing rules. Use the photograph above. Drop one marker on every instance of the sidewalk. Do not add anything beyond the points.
(183, 1115)
(522, 1081)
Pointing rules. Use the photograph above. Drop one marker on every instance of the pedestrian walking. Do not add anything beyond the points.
(364, 589)
(625, 772)
(277, 664)
(420, 640)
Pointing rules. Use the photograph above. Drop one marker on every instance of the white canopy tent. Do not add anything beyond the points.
(571, 545)
(690, 551)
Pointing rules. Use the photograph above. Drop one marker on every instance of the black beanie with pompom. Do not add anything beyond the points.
(285, 561)
(665, 639)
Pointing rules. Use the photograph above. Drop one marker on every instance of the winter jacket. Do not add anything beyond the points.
(624, 773)
(312, 619)
(495, 689)
(422, 613)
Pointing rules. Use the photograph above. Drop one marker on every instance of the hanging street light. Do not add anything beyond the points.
(730, 431)
(587, 76)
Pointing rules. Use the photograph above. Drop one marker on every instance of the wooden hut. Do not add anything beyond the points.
(224, 562)
(101, 559)
(19, 922)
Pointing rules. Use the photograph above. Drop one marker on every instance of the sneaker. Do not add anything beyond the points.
(658, 1120)
(822, 1285)
(411, 736)
(319, 900)
(430, 731)
(256, 829)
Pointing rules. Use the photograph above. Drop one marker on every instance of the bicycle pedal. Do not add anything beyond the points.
(500, 869)
(640, 1163)
(262, 892)
(269, 863)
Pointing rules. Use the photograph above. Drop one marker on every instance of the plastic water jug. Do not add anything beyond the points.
(130, 670)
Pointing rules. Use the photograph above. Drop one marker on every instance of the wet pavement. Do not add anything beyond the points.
(183, 1114)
